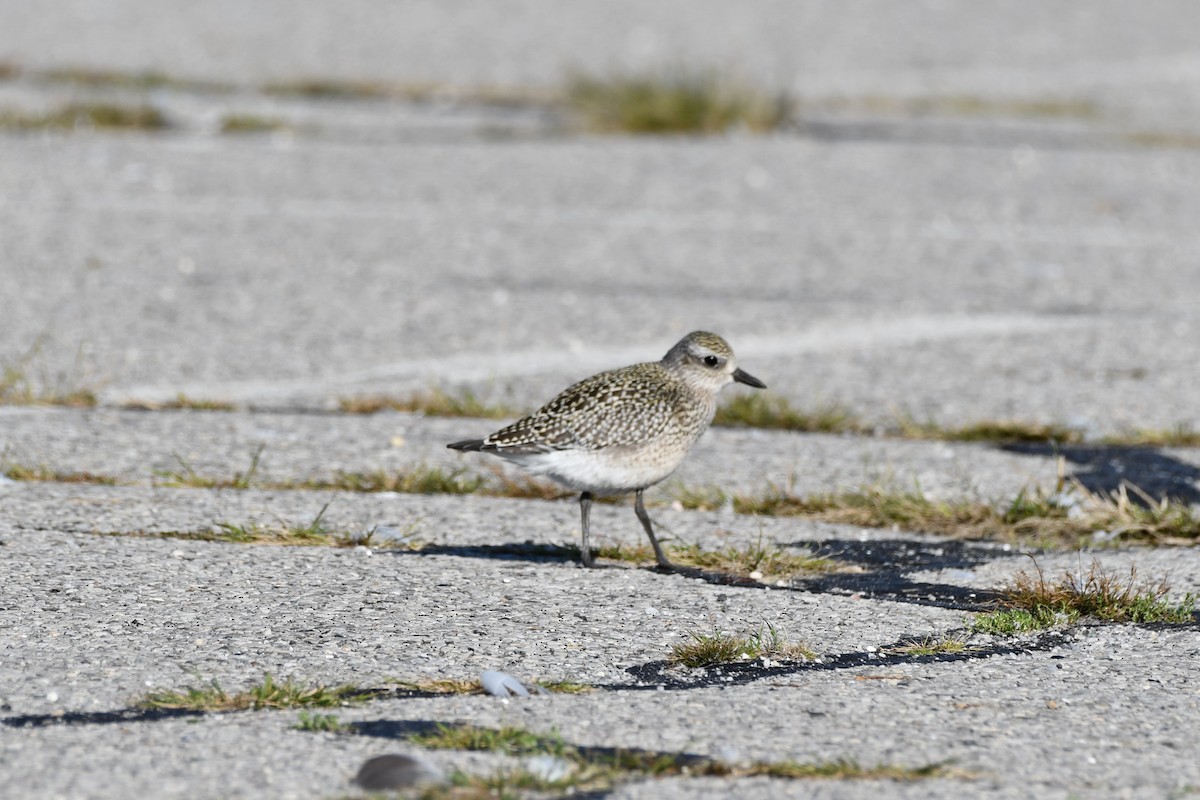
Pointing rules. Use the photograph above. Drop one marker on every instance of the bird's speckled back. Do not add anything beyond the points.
(620, 408)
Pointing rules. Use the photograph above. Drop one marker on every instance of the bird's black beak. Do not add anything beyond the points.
(745, 377)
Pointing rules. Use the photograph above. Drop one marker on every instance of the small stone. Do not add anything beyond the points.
(500, 684)
(549, 768)
(394, 771)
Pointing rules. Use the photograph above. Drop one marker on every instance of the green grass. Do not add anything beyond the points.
(18, 472)
(461, 686)
(319, 723)
(1008, 621)
(1002, 431)
(717, 648)
(1031, 602)
(511, 741)
(313, 534)
(964, 105)
(17, 387)
(674, 102)
(1098, 594)
(440, 685)
(845, 769)
(332, 89)
(1178, 436)
(929, 647)
(1068, 516)
(270, 694)
(433, 403)
(600, 770)
(774, 412)
(112, 79)
(181, 402)
(99, 116)
(186, 475)
(252, 123)
(419, 480)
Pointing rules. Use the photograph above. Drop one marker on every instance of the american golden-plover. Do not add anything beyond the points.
(622, 430)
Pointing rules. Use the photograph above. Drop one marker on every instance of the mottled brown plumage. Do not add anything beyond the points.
(625, 429)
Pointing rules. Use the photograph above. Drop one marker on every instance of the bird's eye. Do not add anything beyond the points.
(711, 361)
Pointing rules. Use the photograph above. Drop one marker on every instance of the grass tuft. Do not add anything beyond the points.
(440, 686)
(150, 79)
(929, 647)
(329, 89)
(1003, 431)
(18, 472)
(314, 533)
(708, 650)
(775, 412)
(186, 475)
(252, 123)
(600, 770)
(268, 694)
(17, 388)
(181, 402)
(1007, 621)
(319, 723)
(85, 116)
(1098, 594)
(675, 102)
(1069, 516)
(419, 480)
(434, 403)
(1181, 435)
(508, 740)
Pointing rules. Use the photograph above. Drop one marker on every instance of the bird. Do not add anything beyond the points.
(623, 430)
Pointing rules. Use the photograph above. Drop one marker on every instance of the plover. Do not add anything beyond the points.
(623, 430)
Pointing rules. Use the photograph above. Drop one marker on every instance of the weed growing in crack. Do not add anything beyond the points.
(319, 723)
(509, 740)
(88, 116)
(929, 647)
(775, 412)
(602, 769)
(268, 694)
(674, 102)
(708, 650)
(1068, 516)
(1008, 621)
(19, 472)
(419, 480)
(434, 403)
(1179, 436)
(18, 387)
(1099, 594)
(181, 403)
(187, 476)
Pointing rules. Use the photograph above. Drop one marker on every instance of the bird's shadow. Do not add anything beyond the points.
(876, 569)
(1105, 469)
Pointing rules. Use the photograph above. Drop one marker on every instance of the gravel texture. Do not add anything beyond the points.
(923, 241)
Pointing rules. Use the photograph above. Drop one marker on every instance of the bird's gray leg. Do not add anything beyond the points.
(640, 509)
(585, 507)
